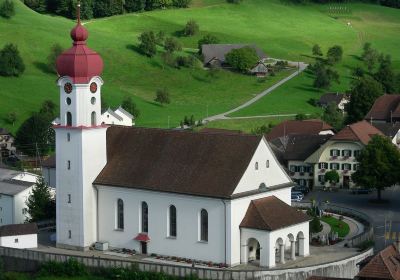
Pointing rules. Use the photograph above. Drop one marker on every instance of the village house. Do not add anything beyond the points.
(21, 236)
(386, 109)
(292, 151)
(339, 153)
(390, 130)
(339, 99)
(167, 192)
(214, 54)
(15, 187)
(6, 144)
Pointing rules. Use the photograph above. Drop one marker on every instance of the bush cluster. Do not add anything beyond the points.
(70, 268)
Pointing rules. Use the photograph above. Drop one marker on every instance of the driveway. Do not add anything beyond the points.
(383, 216)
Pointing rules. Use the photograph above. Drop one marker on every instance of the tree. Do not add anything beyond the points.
(385, 75)
(11, 63)
(334, 54)
(358, 73)
(148, 43)
(324, 76)
(315, 225)
(242, 59)
(40, 203)
(300, 117)
(36, 5)
(55, 51)
(7, 9)
(207, 39)
(134, 5)
(369, 56)
(130, 106)
(234, 1)
(172, 44)
(333, 116)
(316, 50)
(191, 28)
(379, 165)
(362, 96)
(332, 176)
(160, 37)
(48, 109)
(181, 3)
(12, 117)
(162, 96)
(35, 134)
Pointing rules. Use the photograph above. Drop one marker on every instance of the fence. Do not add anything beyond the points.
(345, 268)
(355, 241)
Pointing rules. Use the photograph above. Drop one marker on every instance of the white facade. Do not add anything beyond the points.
(117, 117)
(25, 241)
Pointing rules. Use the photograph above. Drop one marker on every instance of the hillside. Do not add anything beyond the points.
(283, 31)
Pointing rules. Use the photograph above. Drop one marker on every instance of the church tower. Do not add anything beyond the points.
(80, 142)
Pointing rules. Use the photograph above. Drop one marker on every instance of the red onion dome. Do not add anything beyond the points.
(79, 62)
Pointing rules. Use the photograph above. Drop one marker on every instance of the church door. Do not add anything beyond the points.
(144, 247)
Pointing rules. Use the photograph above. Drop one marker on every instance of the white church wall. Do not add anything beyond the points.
(19, 241)
(262, 237)
(263, 168)
(186, 244)
(19, 205)
(238, 209)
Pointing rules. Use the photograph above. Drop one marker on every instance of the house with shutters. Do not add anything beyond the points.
(339, 153)
(166, 192)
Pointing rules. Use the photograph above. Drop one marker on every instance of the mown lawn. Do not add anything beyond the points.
(282, 30)
(338, 226)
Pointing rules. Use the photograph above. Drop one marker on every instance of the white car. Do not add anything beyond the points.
(300, 194)
(296, 198)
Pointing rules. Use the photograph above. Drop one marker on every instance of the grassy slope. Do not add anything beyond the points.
(284, 31)
(338, 226)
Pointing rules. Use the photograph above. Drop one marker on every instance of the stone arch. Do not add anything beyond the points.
(280, 251)
(300, 239)
(253, 251)
(291, 245)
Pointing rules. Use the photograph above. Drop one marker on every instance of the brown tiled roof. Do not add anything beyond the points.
(383, 106)
(384, 265)
(204, 164)
(18, 229)
(298, 146)
(309, 127)
(219, 130)
(50, 162)
(331, 97)
(270, 213)
(361, 131)
(4, 131)
(326, 278)
(389, 129)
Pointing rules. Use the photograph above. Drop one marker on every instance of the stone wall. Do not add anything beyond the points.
(28, 260)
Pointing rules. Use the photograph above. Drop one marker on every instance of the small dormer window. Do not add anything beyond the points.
(256, 165)
(262, 186)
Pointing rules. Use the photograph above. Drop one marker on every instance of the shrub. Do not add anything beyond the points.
(11, 63)
(162, 96)
(316, 50)
(207, 39)
(55, 51)
(171, 44)
(69, 268)
(181, 3)
(191, 28)
(7, 9)
(334, 54)
(315, 225)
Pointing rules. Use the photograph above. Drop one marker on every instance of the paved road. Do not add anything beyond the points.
(222, 116)
(379, 213)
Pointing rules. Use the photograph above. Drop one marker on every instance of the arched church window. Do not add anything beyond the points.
(203, 225)
(172, 221)
(120, 214)
(69, 119)
(93, 100)
(145, 217)
(68, 101)
(256, 165)
(93, 118)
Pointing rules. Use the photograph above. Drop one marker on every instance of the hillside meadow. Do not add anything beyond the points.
(282, 30)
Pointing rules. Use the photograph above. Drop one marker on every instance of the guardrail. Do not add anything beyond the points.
(355, 241)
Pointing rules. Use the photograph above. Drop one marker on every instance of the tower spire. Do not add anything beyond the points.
(78, 12)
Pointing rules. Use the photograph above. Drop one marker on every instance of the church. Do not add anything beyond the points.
(218, 197)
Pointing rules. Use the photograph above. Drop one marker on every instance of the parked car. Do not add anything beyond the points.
(361, 191)
(303, 189)
(300, 194)
(296, 198)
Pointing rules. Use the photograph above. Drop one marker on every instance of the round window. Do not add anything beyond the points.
(68, 88)
(68, 100)
(93, 100)
(93, 87)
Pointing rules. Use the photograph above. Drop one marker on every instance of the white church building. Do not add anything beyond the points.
(218, 197)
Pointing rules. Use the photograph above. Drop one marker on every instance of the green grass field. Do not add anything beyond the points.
(337, 226)
(282, 30)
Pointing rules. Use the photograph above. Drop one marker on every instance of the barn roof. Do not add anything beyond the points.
(291, 127)
(385, 107)
(331, 97)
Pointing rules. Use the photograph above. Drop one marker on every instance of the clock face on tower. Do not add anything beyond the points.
(93, 87)
(68, 88)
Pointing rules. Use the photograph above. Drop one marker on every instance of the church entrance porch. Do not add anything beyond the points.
(143, 247)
